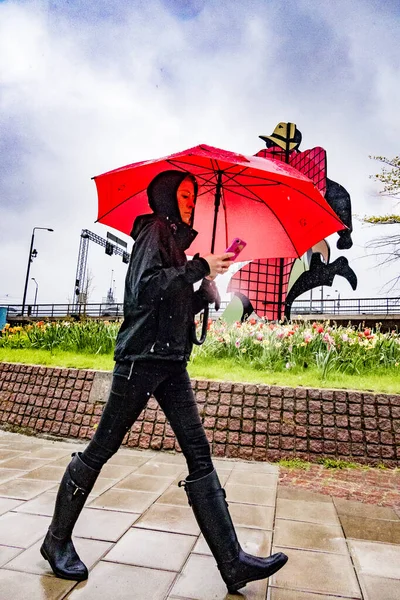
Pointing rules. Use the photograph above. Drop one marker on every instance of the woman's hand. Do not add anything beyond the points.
(218, 263)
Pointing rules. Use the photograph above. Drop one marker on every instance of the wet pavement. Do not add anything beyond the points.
(140, 540)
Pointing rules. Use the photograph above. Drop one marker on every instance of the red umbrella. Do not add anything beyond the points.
(277, 210)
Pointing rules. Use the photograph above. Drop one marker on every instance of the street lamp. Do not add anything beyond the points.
(36, 291)
(338, 300)
(32, 255)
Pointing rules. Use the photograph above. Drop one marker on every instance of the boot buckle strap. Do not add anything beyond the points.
(75, 489)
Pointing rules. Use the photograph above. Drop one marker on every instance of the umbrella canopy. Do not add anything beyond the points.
(277, 210)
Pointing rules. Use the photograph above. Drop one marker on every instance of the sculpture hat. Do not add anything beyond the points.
(283, 134)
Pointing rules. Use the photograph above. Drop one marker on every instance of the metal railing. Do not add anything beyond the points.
(342, 306)
(347, 306)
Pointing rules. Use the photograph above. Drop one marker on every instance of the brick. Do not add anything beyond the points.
(212, 397)
(276, 403)
(246, 439)
(273, 441)
(301, 405)
(288, 392)
(159, 429)
(274, 428)
(328, 420)
(329, 433)
(237, 399)
(209, 422)
(249, 400)
(222, 424)
(168, 443)
(261, 427)
(245, 453)
(232, 451)
(236, 412)
(233, 437)
(343, 448)
(156, 443)
(144, 441)
(300, 393)
(220, 436)
(274, 415)
(386, 437)
(148, 427)
(356, 436)
(234, 424)
(384, 424)
(260, 440)
(55, 428)
(225, 399)
(248, 413)
(342, 435)
(342, 421)
(340, 396)
(64, 429)
(214, 386)
(74, 430)
(329, 447)
(301, 431)
(372, 437)
(315, 419)
(262, 402)
(315, 432)
(288, 443)
(225, 386)
(209, 435)
(301, 418)
(247, 426)
(263, 390)
(316, 446)
(218, 450)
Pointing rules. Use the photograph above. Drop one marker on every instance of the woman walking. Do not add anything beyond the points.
(152, 350)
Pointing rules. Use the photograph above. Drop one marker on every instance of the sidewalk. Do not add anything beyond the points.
(140, 540)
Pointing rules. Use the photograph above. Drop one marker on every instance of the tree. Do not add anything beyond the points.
(388, 246)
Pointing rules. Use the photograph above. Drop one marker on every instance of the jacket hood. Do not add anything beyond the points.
(162, 191)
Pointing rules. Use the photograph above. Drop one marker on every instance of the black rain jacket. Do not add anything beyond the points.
(159, 301)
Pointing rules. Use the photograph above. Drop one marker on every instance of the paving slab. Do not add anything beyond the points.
(139, 537)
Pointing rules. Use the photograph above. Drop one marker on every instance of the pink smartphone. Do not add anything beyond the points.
(236, 247)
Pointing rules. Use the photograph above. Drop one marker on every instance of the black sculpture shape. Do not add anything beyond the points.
(247, 306)
(319, 274)
(339, 200)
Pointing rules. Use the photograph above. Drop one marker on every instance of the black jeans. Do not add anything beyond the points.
(131, 388)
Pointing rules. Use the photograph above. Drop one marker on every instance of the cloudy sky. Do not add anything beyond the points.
(86, 87)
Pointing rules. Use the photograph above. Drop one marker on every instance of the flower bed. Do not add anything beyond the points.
(257, 343)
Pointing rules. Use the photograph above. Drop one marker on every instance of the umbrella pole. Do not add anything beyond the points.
(217, 203)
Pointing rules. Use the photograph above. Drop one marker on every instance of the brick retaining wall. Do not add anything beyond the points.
(255, 422)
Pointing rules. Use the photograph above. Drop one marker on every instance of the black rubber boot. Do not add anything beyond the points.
(58, 548)
(207, 499)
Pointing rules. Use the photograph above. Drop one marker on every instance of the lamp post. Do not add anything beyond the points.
(338, 300)
(36, 291)
(32, 255)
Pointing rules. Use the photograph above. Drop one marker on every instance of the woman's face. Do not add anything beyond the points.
(186, 200)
